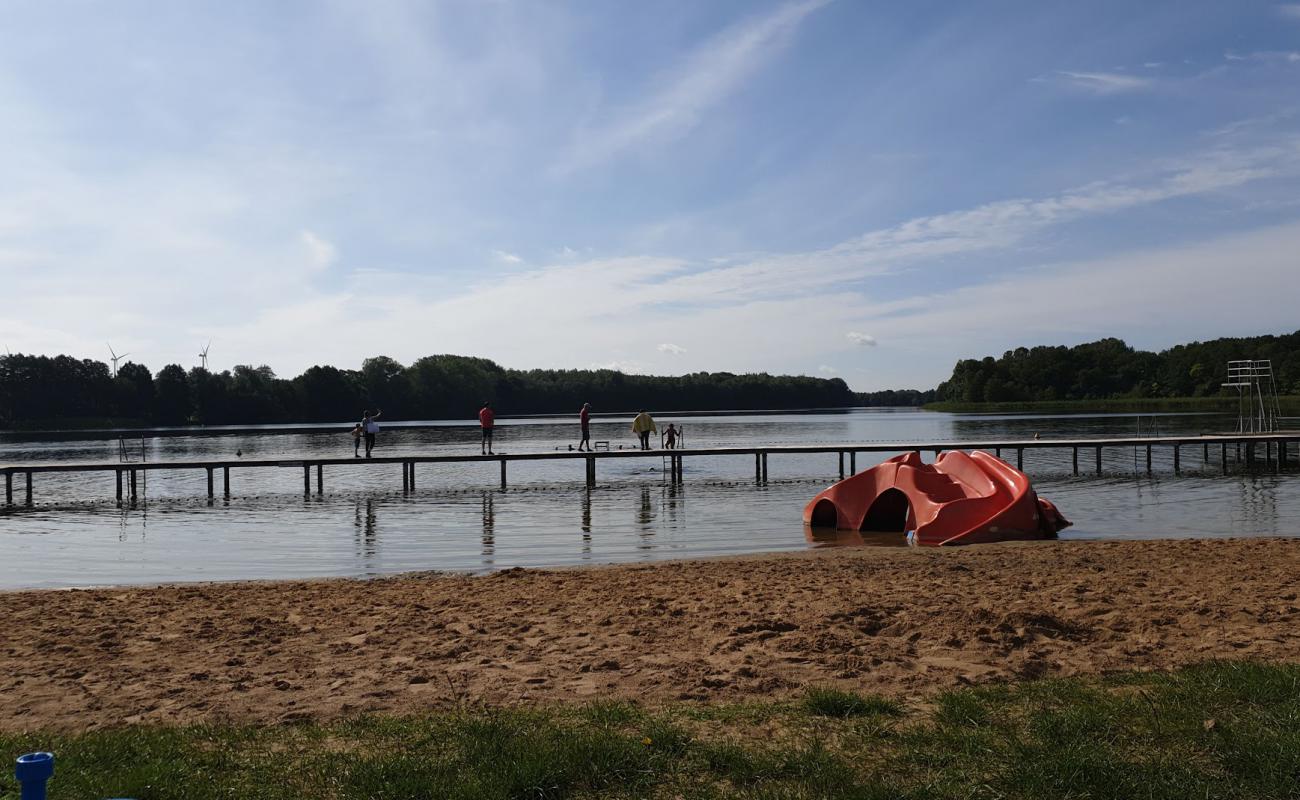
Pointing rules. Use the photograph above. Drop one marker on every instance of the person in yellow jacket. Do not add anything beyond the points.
(643, 426)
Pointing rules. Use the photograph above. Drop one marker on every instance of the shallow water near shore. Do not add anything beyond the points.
(457, 519)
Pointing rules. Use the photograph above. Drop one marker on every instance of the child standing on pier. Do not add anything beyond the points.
(356, 441)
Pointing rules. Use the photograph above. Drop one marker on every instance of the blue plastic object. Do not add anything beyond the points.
(32, 771)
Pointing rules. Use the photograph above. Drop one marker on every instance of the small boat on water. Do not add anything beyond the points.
(962, 498)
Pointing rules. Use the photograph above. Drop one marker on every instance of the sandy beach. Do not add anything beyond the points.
(895, 621)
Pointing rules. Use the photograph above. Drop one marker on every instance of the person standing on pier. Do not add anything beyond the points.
(356, 440)
(584, 421)
(487, 421)
(643, 426)
(370, 428)
(670, 437)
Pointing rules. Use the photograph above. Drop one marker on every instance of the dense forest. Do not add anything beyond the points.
(1110, 369)
(61, 390)
(42, 390)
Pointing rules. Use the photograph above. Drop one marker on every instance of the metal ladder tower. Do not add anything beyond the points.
(1258, 409)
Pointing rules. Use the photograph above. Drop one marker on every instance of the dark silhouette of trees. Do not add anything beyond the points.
(37, 390)
(1110, 369)
(60, 390)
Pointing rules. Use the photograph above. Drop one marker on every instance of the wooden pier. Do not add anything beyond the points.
(1274, 450)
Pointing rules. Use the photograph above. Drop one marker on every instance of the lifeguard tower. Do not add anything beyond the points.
(1258, 410)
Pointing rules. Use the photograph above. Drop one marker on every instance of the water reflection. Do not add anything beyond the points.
(831, 537)
(489, 541)
(363, 523)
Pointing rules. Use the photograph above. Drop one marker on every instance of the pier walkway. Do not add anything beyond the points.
(1273, 449)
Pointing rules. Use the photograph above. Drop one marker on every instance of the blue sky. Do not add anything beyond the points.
(827, 187)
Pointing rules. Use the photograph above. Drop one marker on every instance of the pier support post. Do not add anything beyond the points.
(1098, 459)
(1178, 449)
(853, 464)
(1281, 453)
(29, 488)
(320, 479)
(1020, 459)
(1148, 459)
(997, 451)
(225, 482)
(841, 465)
(117, 474)
(306, 479)
(406, 479)
(1250, 454)
(1205, 454)
(758, 468)
(9, 487)
(1075, 458)
(410, 467)
(1223, 457)
(591, 472)
(765, 465)
(132, 487)
(210, 492)
(1238, 452)
(503, 474)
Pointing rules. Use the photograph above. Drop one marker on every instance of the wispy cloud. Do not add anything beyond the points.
(1288, 56)
(1289, 10)
(1105, 82)
(861, 339)
(506, 258)
(671, 349)
(702, 80)
(320, 253)
(998, 224)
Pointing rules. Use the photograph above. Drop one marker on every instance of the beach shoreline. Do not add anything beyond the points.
(903, 622)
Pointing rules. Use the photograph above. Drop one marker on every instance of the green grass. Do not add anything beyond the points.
(1219, 730)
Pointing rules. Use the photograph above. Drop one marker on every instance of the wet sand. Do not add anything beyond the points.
(896, 621)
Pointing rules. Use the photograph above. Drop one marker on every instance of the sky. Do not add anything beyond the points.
(868, 190)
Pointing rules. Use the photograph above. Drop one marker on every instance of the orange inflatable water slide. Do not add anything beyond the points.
(962, 498)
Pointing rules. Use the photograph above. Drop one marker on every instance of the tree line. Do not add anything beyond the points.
(44, 390)
(1110, 369)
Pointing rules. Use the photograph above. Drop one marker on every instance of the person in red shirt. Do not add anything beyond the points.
(584, 419)
(487, 420)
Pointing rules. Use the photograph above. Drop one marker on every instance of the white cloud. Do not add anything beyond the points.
(671, 349)
(1143, 293)
(826, 369)
(861, 339)
(702, 80)
(320, 253)
(1287, 56)
(1105, 82)
(506, 258)
(1289, 10)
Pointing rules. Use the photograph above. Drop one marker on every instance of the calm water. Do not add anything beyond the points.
(458, 520)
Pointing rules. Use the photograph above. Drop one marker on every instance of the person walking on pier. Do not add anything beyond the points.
(487, 421)
(670, 437)
(370, 428)
(584, 421)
(643, 426)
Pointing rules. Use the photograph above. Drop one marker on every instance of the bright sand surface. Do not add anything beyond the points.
(895, 621)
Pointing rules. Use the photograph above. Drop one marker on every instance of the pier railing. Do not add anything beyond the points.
(1272, 450)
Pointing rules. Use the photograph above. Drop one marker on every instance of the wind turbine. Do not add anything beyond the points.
(116, 358)
(203, 354)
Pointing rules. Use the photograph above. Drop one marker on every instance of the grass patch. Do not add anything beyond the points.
(1221, 729)
(840, 704)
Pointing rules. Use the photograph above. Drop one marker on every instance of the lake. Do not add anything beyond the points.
(459, 520)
